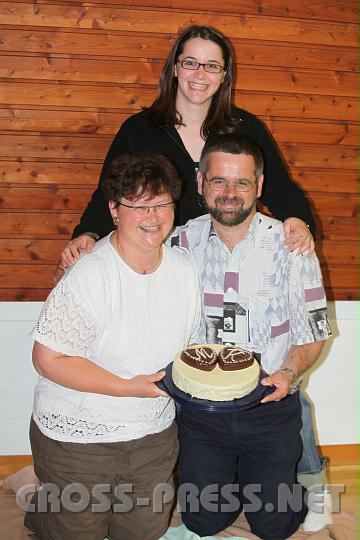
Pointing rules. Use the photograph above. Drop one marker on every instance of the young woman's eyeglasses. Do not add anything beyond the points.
(193, 65)
(145, 210)
(219, 184)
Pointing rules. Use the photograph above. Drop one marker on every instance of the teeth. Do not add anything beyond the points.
(198, 86)
(151, 229)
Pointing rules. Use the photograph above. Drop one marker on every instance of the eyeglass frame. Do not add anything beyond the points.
(146, 209)
(228, 182)
(222, 68)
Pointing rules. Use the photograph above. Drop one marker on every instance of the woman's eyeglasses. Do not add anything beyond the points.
(193, 65)
(145, 210)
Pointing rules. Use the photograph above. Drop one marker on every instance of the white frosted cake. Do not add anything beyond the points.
(215, 372)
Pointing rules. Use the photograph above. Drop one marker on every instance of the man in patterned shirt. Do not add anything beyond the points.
(259, 296)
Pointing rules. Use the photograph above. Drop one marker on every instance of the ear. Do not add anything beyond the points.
(200, 182)
(260, 185)
(112, 208)
(175, 71)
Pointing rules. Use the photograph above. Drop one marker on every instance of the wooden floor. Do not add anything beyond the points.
(348, 477)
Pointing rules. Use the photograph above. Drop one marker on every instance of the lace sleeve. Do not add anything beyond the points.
(64, 325)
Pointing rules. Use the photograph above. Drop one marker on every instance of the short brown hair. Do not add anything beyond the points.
(232, 143)
(135, 175)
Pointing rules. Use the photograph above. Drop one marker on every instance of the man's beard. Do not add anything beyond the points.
(230, 217)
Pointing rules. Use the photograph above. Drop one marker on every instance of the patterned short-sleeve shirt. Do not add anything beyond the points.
(259, 296)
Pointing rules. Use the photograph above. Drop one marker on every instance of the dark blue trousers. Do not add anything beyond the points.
(242, 461)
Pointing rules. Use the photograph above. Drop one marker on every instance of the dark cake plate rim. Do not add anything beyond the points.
(239, 404)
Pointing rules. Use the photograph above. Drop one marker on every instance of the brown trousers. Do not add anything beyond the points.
(98, 490)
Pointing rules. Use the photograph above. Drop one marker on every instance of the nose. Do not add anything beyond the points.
(152, 213)
(200, 72)
(230, 188)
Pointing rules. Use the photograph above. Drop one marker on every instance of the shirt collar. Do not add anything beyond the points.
(250, 232)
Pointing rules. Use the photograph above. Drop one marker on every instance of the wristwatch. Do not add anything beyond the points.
(295, 379)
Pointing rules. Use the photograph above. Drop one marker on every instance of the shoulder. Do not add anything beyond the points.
(269, 234)
(181, 266)
(191, 234)
(267, 223)
(89, 270)
(249, 124)
(246, 116)
(137, 120)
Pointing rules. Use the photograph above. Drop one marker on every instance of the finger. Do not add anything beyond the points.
(161, 393)
(303, 245)
(58, 275)
(311, 247)
(74, 250)
(157, 376)
(291, 246)
(277, 395)
(266, 381)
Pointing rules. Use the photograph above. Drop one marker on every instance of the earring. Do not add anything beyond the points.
(115, 221)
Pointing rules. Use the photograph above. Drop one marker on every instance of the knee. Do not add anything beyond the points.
(278, 526)
(207, 525)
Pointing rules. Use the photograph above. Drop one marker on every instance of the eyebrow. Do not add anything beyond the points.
(207, 61)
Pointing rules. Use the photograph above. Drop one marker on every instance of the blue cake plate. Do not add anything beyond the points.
(241, 404)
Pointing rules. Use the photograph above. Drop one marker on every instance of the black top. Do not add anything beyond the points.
(138, 134)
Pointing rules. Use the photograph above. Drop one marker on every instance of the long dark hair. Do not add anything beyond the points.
(219, 117)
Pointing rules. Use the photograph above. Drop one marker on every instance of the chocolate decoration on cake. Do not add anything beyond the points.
(233, 358)
(202, 358)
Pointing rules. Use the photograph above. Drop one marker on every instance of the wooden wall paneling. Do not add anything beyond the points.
(48, 172)
(31, 250)
(164, 22)
(124, 72)
(44, 198)
(52, 43)
(106, 123)
(337, 10)
(48, 224)
(72, 73)
(132, 98)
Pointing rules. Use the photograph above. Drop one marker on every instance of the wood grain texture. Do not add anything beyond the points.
(72, 72)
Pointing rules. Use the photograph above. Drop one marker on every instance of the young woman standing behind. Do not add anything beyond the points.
(195, 103)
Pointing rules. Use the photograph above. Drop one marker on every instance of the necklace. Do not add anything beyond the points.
(142, 271)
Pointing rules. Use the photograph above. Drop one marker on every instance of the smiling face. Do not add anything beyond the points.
(143, 231)
(198, 87)
(230, 207)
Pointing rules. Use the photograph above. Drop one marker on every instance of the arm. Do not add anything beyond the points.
(281, 195)
(307, 321)
(96, 222)
(300, 359)
(96, 217)
(82, 375)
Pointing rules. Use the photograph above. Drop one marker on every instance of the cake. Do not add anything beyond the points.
(215, 372)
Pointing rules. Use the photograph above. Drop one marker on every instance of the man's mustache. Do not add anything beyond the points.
(229, 200)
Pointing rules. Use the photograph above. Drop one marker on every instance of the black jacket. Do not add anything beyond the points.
(138, 134)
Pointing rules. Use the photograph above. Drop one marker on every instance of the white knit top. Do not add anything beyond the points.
(129, 324)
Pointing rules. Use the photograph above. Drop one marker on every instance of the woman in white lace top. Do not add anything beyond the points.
(117, 317)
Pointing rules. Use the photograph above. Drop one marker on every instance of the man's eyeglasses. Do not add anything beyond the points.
(219, 184)
(193, 65)
(141, 211)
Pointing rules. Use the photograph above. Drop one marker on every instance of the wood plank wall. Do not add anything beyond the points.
(71, 72)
